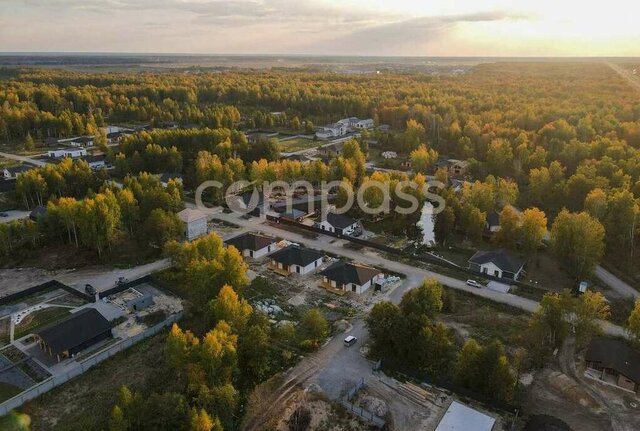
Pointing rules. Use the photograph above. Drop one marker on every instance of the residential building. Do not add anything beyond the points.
(50, 141)
(340, 224)
(12, 172)
(497, 263)
(80, 142)
(389, 154)
(253, 245)
(74, 334)
(195, 223)
(350, 277)
(295, 215)
(60, 153)
(364, 124)
(492, 224)
(332, 131)
(295, 260)
(614, 362)
(96, 162)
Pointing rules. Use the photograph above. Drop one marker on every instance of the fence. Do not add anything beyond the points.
(83, 365)
(426, 258)
(49, 285)
(361, 412)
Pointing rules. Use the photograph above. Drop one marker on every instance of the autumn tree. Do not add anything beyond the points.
(423, 159)
(633, 323)
(577, 239)
(532, 231)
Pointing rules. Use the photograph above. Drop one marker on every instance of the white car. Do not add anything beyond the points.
(474, 283)
(350, 341)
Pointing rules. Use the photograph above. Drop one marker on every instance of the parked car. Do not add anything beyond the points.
(474, 283)
(350, 341)
(3, 214)
(89, 289)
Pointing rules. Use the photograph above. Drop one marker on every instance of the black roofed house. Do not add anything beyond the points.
(95, 162)
(498, 263)
(253, 245)
(350, 277)
(77, 332)
(12, 172)
(295, 260)
(340, 224)
(614, 362)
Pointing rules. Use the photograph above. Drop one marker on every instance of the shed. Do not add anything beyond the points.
(74, 334)
(195, 223)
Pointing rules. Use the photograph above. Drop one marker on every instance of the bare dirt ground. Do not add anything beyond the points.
(324, 414)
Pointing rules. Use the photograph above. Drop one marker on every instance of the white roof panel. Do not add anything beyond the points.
(459, 417)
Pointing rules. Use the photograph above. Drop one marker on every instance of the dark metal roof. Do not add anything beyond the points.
(615, 354)
(493, 219)
(342, 272)
(295, 255)
(76, 329)
(37, 212)
(250, 241)
(503, 259)
(340, 221)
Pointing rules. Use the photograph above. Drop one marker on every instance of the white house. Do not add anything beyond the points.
(364, 124)
(340, 224)
(96, 162)
(389, 154)
(497, 263)
(295, 260)
(350, 277)
(253, 245)
(195, 223)
(332, 131)
(60, 153)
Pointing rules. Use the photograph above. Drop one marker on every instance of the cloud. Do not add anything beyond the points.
(410, 35)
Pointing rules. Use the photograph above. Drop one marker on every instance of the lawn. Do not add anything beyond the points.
(297, 144)
(7, 391)
(85, 403)
(40, 319)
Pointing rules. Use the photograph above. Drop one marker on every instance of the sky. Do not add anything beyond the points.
(324, 27)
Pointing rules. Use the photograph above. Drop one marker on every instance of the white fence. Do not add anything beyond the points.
(83, 365)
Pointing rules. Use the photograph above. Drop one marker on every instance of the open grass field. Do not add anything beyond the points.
(297, 144)
(40, 319)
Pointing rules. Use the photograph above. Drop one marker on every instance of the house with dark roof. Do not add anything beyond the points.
(74, 334)
(253, 245)
(350, 277)
(493, 222)
(340, 224)
(614, 362)
(295, 215)
(295, 260)
(95, 162)
(12, 172)
(498, 263)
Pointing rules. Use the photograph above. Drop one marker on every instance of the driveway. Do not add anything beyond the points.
(14, 215)
(616, 284)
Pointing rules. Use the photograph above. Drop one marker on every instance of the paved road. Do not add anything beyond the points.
(14, 215)
(336, 368)
(23, 159)
(616, 284)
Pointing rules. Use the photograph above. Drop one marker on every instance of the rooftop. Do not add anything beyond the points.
(78, 328)
(188, 215)
(340, 221)
(250, 241)
(459, 417)
(344, 273)
(503, 259)
(615, 354)
(295, 255)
